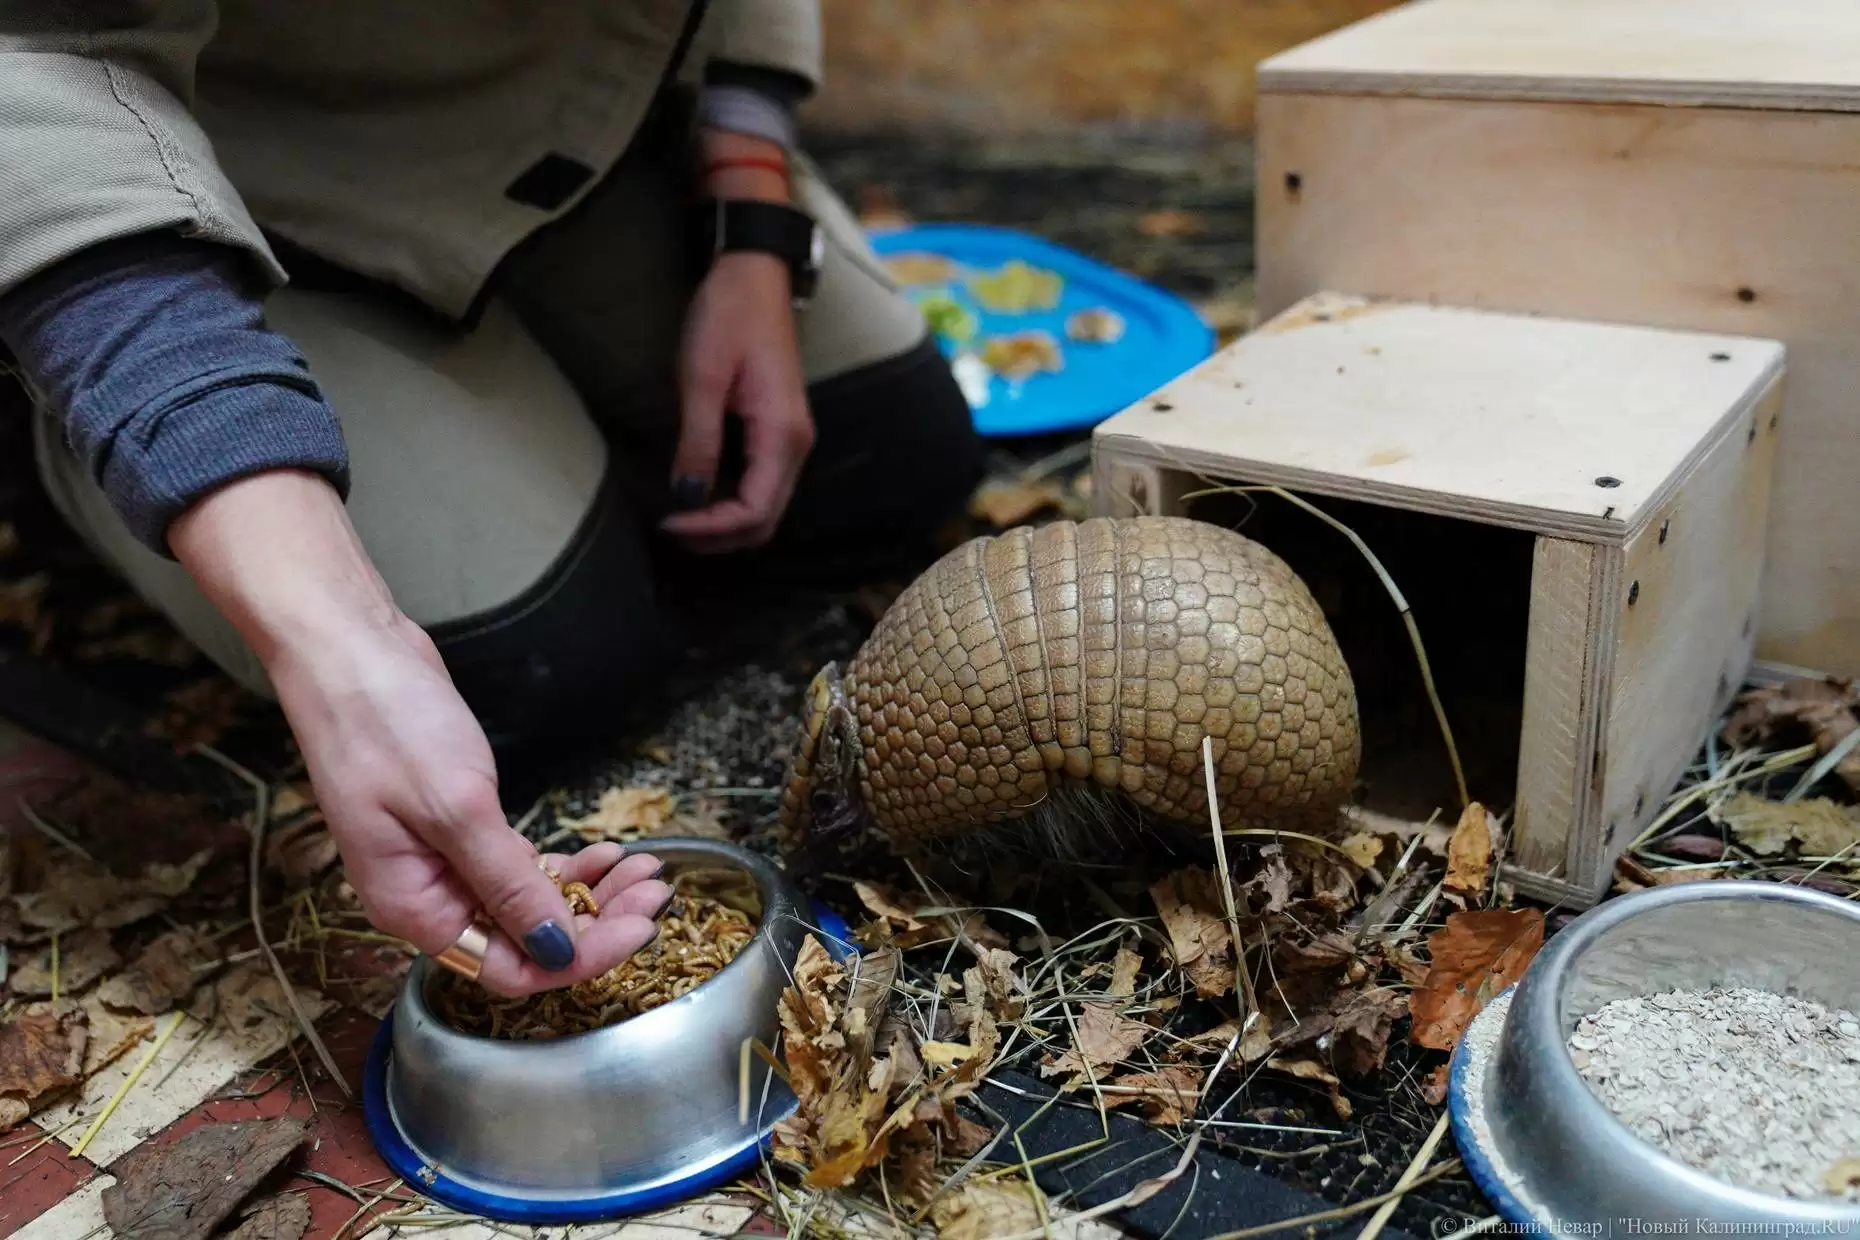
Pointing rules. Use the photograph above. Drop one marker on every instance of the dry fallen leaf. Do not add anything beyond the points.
(1362, 847)
(73, 961)
(624, 813)
(1691, 847)
(1268, 891)
(78, 894)
(1766, 828)
(1312, 1070)
(246, 998)
(1189, 904)
(885, 902)
(41, 1055)
(1631, 875)
(1406, 962)
(111, 1036)
(993, 982)
(1124, 973)
(1332, 949)
(170, 881)
(1434, 1088)
(946, 1054)
(839, 1128)
(1105, 1039)
(1360, 1032)
(164, 974)
(185, 1189)
(283, 1217)
(1474, 958)
(984, 1210)
(201, 713)
(702, 818)
(301, 852)
(1170, 1093)
(292, 800)
(1823, 710)
(1469, 853)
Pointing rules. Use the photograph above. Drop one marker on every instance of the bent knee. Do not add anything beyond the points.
(560, 652)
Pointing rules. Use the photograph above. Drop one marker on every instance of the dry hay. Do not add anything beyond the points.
(1296, 960)
(1754, 811)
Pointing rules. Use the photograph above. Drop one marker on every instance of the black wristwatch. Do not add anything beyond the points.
(729, 224)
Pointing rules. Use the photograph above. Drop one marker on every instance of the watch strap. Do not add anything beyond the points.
(730, 225)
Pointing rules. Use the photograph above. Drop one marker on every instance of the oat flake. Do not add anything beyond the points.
(1754, 1088)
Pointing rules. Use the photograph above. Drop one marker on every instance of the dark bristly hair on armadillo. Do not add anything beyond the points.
(1058, 681)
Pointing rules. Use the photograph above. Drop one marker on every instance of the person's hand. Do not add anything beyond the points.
(401, 769)
(405, 780)
(740, 356)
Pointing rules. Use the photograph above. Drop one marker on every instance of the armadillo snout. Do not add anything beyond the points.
(1100, 653)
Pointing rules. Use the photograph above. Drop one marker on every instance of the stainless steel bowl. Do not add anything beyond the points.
(1544, 1148)
(624, 1115)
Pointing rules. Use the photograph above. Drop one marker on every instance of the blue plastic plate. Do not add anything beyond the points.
(616, 1201)
(1163, 336)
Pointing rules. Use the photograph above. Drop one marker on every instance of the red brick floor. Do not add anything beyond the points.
(42, 1189)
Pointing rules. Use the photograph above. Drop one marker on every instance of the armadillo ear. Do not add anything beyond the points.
(796, 815)
(819, 698)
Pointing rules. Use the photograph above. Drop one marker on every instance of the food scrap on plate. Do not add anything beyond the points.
(1022, 354)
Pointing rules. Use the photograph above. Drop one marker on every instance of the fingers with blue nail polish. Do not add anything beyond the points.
(549, 946)
(688, 493)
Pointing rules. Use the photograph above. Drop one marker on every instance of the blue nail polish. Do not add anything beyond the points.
(688, 493)
(550, 947)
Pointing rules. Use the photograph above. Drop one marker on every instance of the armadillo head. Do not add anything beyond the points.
(823, 783)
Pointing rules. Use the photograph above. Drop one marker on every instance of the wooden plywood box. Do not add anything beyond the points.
(1576, 511)
(1674, 163)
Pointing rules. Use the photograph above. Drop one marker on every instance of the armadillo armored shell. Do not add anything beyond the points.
(1094, 654)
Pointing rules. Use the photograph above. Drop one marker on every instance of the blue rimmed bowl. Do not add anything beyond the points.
(617, 1121)
(1544, 1149)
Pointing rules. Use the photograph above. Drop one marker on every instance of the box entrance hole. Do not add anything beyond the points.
(1469, 587)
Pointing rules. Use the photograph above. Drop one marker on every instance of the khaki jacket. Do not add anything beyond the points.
(384, 135)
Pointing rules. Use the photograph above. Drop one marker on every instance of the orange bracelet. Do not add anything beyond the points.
(769, 163)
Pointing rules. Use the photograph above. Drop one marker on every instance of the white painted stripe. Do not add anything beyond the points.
(254, 1022)
(78, 1216)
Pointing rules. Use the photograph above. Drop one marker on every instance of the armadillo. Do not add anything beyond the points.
(1023, 669)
